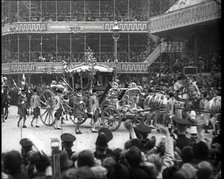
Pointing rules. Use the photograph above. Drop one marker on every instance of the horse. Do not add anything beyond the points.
(157, 103)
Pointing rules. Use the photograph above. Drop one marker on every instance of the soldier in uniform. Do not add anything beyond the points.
(26, 149)
(67, 143)
(5, 98)
(78, 106)
(35, 106)
(102, 150)
(58, 108)
(22, 107)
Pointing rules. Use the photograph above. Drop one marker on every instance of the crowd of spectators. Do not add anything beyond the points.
(141, 157)
(76, 15)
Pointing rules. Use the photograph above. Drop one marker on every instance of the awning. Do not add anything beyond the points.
(88, 68)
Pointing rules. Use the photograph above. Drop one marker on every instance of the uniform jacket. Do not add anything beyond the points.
(22, 106)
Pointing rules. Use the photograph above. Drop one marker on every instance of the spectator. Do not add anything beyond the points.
(67, 143)
(102, 150)
(41, 166)
(187, 154)
(133, 157)
(182, 140)
(205, 170)
(85, 158)
(201, 152)
(26, 150)
(65, 163)
(116, 169)
(79, 173)
(13, 165)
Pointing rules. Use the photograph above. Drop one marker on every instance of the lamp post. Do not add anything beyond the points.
(116, 36)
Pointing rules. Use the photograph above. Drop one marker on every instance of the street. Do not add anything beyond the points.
(11, 134)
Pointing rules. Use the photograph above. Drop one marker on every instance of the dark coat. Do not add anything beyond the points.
(22, 107)
(183, 141)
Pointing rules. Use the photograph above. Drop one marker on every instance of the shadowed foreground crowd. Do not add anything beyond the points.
(142, 157)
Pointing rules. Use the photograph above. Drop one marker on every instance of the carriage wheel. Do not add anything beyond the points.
(111, 118)
(79, 119)
(47, 107)
(47, 116)
(47, 99)
(80, 116)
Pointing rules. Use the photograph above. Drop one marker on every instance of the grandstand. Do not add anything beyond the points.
(38, 35)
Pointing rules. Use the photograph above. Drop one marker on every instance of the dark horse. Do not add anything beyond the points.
(5, 102)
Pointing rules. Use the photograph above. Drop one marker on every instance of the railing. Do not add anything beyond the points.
(156, 53)
(164, 47)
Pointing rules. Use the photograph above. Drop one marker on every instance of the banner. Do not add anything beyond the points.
(41, 67)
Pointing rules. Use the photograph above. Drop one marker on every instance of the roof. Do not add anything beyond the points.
(85, 68)
(180, 4)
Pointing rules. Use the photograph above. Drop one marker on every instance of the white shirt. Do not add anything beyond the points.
(58, 102)
(177, 86)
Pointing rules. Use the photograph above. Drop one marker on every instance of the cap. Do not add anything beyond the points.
(180, 121)
(107, 133)
(142, 128)
(67, 137)
(26, 143)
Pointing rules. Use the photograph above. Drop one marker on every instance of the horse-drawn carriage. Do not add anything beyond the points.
(81, 92)
(123, 104)
(88, 101)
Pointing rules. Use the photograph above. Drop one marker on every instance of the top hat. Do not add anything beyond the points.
(107, 133)
(26, 143)
(101, 141)
(142, 128)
